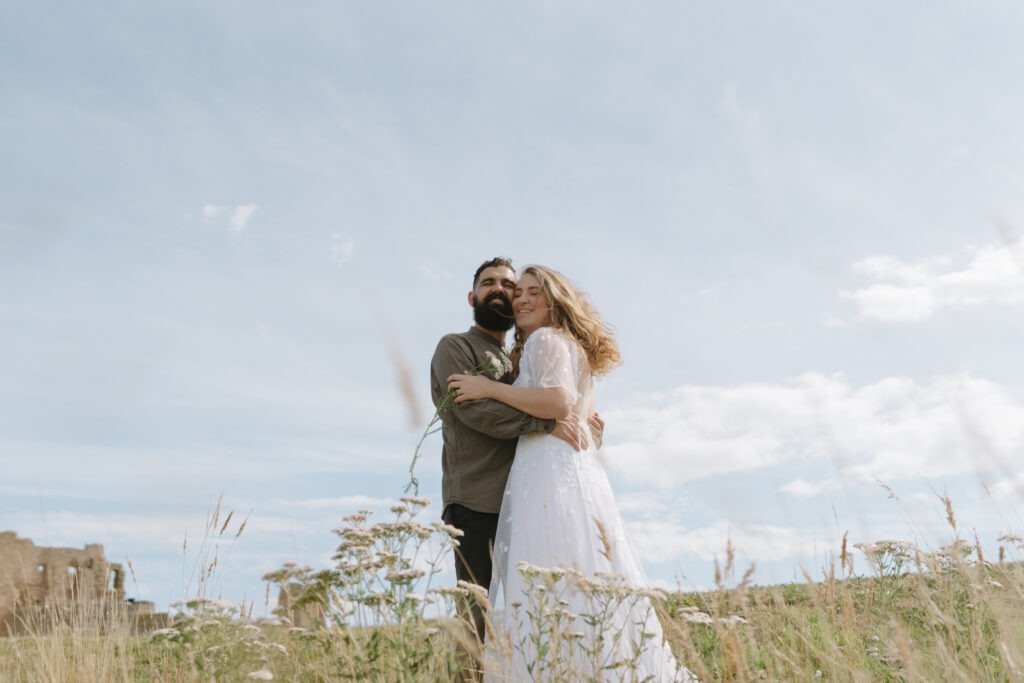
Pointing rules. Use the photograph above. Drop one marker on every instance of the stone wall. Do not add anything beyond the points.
(34, 578)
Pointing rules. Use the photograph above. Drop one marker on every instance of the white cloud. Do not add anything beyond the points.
(65, 528)
(806, 489)
(893, 429)
(343, 504)
(1011, 487)
(436, 274)
(890, 303)
(641, 505)
(911, 291)
(241, 216)
(341, 249)
(664, 541)
(238, 216)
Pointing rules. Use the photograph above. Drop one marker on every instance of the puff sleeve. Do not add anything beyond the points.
(552, 360)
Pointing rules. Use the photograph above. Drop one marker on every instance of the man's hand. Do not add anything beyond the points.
(568, 430)
(597, 428)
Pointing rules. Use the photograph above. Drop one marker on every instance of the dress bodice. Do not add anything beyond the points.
(552, 359)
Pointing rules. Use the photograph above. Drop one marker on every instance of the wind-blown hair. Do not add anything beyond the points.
(572, 312)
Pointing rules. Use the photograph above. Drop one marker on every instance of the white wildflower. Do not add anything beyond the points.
(499, 367)
(377, 598)
(652, 593)
(260, 675)
(168, 633)
(357, 517)
(448, 529)
(401, 576)
(478, 592)
(697, 618)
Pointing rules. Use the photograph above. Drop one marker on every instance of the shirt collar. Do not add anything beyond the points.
(474, 330)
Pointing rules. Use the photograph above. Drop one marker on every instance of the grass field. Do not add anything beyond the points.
(946, 615)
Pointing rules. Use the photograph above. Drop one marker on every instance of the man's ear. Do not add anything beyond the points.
(469, 298)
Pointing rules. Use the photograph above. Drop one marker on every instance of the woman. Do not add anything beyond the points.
(558, 509)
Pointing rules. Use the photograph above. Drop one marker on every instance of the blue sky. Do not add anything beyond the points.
(220, 223)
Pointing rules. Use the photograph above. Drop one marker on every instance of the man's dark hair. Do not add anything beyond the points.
(493, 263)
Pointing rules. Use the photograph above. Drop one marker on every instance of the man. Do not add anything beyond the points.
(479, 437)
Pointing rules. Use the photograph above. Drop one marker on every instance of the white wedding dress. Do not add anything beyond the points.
(558, 511)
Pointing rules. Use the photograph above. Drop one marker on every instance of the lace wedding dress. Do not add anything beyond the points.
(558, 512)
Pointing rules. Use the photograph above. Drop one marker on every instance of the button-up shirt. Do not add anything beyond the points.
(479, 436)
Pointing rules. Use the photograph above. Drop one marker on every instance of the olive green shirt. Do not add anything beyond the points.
(479, 436)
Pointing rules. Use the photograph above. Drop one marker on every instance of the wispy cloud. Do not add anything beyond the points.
(911, 291)
(241, 216)
(432, 273)
(806, 489)
(342, 503)
(892, 429)
(1011, 487)
(121, 530)
(663, 541)
(238, 217)
(341, 249)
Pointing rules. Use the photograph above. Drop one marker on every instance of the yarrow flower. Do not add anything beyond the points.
(478, 592)
(450, 590)
(448, 529)
(499, 367)
(401, 576)
(168, 633)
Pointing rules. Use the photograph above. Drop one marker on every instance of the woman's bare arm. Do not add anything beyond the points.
(543, 402)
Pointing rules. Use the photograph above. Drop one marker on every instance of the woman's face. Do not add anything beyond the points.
(530, 305)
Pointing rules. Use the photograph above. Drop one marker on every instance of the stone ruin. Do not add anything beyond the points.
(308, 615)
(37, 583)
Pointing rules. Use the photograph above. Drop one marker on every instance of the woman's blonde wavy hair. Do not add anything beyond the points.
(572, 312)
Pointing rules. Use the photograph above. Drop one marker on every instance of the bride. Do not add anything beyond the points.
(558, 509)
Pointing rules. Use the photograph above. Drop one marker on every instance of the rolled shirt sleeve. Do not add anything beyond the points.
(479, 437)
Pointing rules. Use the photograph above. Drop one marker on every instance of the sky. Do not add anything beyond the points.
(227, 227)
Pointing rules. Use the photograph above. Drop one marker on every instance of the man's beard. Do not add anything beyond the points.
(494, 312)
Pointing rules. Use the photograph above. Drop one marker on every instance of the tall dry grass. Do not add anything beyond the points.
(952, 614)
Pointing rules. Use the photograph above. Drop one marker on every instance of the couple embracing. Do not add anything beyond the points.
(520, 475)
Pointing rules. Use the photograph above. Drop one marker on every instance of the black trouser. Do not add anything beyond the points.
(473, 556)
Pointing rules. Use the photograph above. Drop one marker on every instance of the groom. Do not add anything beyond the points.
(479, 437)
